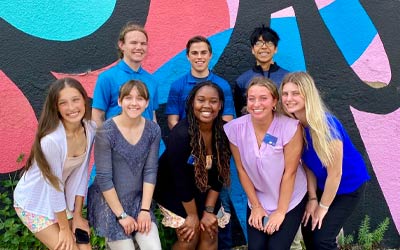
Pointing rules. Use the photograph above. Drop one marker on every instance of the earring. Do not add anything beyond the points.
(274, 108)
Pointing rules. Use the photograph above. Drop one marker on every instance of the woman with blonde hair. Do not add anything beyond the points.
(336, 172)
(49, 196)
(266, 147)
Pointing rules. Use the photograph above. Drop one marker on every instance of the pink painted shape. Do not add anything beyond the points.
(18, 125)
(87, 79)
(169, 28)
(287, 12)
(323, 3)
(380, 134)
(373, 65)
(233, 6)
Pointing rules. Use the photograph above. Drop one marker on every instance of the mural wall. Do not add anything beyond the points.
(351, 48)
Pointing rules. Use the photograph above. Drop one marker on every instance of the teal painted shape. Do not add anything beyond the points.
(177, 66)
(62, 20)
(350, 26)
(290, 51)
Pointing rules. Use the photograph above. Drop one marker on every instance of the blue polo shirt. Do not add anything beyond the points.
(106, 92)
(181, 88)
(354, 170)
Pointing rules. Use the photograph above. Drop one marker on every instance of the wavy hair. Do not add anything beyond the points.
(48, 122)
(315, 114)
(220, 141)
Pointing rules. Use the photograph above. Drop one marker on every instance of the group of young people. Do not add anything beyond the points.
(294, 159)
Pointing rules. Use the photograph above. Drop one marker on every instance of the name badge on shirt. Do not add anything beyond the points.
(270, 139)
(190, 160)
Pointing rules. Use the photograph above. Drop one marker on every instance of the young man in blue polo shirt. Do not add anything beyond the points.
(264, 45)
(132, 49)
(199, 53)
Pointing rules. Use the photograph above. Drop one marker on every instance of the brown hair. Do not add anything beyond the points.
(198, 39)
(269, 84)
(48, 122)
(128, 27)
(127, 87)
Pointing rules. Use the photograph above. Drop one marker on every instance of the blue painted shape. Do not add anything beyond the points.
(290, 51)
(350, 26)
(179, 65)
(57, 20)
(238, 198)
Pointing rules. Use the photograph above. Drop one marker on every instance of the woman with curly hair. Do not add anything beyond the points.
(336, 172)
(193, 170)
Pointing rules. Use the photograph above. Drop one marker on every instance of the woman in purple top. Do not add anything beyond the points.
(266, 147)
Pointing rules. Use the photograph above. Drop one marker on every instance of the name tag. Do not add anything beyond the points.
(190, 160)
(270, 139)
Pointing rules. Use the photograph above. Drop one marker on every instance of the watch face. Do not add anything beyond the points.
(209, 209)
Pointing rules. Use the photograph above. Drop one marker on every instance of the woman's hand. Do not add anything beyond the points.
(319, 216)
(79, 222)
(256, 216)
(309, 212)
(274, 222)
(144, 222)
(209, 223)
(190, 227)
(129, 224)
(66, 240)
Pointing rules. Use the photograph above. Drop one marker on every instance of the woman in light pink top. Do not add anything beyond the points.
(266, 147)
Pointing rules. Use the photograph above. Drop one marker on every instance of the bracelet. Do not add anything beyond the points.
(255, 206)
(312, 199)
(145, 210)
(323, 206)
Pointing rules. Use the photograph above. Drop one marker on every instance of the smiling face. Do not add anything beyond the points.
(264, 51)
(133, 104)
(260, 102)
(134, 47)
(206, 104)
(292, 100)
(199, 57)
(71, 105)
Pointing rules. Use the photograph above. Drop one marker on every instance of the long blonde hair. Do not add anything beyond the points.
(316, 110)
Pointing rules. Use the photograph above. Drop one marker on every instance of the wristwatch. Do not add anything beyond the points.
(209, 209)
(122, 216)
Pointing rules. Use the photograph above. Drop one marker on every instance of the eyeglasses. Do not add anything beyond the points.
(260, 43)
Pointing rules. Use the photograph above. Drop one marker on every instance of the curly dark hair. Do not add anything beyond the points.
(221, 143)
